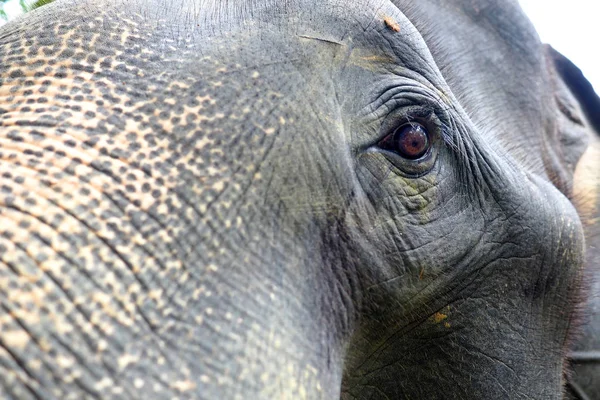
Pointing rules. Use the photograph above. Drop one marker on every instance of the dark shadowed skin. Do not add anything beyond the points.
(195, 202)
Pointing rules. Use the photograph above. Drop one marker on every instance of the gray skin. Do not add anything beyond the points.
(496, 68)
(194, 202)
(585, 355)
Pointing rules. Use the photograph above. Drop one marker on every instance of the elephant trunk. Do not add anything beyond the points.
(82, 309)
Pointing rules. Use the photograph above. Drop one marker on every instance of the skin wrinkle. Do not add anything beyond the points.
(426, 287)
(425, 62)
(55, 280)
(108, 197)
(27, 386)
(140, 312)
(455, 60)
(36, 340)
(373, 357)
(100, 192)
(395, 89)
(410, 326)
(52, 278)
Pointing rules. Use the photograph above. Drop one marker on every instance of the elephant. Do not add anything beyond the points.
(413, 217)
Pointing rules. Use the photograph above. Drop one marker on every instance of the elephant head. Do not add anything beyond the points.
(297, 199)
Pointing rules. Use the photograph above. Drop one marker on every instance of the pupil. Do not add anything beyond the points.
(412, 141)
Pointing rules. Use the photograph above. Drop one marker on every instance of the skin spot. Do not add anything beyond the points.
(366, 59)
(104, 383)
(184, 386)
(586, 183)
(65, 362)
(102, 345)
(15, 339)
(126, 360)
(391, 23)
(438, 317)
(35, 364)
(17, 74)
(218, 186)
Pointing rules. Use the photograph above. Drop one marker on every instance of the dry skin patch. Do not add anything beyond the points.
(391, 23)
(586, 184)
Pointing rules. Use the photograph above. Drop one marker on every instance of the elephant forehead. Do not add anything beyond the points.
(90, 108)
(167, 69)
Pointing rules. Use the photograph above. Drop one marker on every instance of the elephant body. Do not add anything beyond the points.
(291, 199)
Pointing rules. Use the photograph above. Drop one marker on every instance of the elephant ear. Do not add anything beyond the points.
(575, 121)
(578, 131)
(577, 113)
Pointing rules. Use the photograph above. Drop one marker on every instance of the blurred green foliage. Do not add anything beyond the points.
(39, 3)
(26, 5)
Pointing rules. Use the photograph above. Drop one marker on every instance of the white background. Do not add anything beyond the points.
(571, 27)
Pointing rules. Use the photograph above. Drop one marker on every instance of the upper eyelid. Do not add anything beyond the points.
(400, 116)
(436, 120)
(411, 92)
(395, 103)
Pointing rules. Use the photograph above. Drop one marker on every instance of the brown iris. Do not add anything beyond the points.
(410, 141)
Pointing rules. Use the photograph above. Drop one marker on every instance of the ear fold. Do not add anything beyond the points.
(577, 112)
(579, 86)
(576, 137)
(568, 129)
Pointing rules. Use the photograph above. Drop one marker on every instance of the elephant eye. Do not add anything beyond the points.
(410, 141)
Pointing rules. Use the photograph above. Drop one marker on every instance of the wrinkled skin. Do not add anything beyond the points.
(194, 202)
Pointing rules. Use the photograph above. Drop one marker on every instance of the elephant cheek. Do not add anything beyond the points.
(586, 186)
